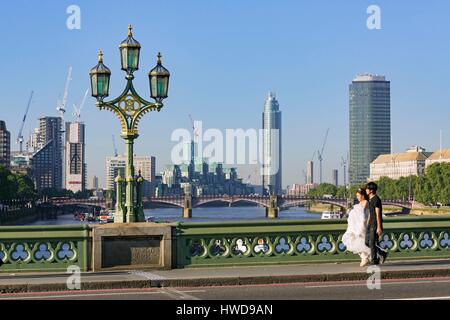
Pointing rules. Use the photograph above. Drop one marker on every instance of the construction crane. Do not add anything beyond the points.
(116, 153)
(344, 163)
(194, 131)
(306, 176)
(77, 110)
(61, 104)
(251, 175)
(320, 154)
(20, 135)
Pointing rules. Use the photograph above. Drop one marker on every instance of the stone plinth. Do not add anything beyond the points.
(132, 246)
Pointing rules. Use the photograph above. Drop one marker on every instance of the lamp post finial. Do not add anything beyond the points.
(130, 30)
(159, 58)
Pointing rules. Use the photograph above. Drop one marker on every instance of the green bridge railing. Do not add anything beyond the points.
(55, 248)
(281, 242)
(44, 248)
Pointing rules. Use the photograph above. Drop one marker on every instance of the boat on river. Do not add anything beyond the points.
(331, 215)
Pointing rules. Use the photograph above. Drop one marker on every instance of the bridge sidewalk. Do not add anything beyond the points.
(39, 282)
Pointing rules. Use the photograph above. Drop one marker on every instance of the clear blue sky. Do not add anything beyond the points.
(225, 55)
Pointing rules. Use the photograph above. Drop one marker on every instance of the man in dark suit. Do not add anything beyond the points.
(375, 225)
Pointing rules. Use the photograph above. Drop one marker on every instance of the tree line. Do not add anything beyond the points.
(16, 186)
(432, 188)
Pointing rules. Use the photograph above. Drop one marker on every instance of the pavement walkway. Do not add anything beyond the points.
(240, 275)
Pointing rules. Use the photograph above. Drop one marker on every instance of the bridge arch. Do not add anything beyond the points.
(87, 203)
(205, 202)
(405, 205)
(230, 201)
(250, 200)
(295, 203)
(168, 201)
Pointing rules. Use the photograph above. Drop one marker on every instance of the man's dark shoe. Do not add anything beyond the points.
(383, 256)
(374, 263)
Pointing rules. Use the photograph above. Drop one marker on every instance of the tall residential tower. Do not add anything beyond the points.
(370, 124)
(75, 168)
(5, 145)
(47, 161)
(272, 161)
(310, 172)
(335, 177)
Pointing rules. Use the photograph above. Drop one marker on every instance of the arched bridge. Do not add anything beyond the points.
(263, 201)
(272, 203)
(100, 203)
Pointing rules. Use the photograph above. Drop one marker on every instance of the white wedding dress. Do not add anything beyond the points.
(355, 236)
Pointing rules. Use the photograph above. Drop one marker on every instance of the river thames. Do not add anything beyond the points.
(205, 214)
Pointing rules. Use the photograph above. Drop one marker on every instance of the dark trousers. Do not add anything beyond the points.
(373, 242)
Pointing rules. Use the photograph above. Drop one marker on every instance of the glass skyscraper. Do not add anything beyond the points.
(47, 162)
(370, 124)
(272, 164)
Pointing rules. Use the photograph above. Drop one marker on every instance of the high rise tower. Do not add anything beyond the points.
(94, 183)
(75, 168)
(47, 161)
(272, 161)
(335, 177)
(5, 146)
(370, 124)
(310, 172)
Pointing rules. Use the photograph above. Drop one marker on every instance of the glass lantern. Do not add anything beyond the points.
(159, 81)
(100, 77)
(129, 53)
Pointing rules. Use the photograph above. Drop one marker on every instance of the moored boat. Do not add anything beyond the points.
(331, 215)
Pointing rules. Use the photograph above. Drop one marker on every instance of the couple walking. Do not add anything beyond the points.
(365, 226)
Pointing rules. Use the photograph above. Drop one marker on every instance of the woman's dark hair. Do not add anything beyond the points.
(363, 193)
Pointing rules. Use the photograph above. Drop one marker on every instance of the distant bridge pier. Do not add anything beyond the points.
(187, 207)
(47, 212)
(350, 203)
(273, 209)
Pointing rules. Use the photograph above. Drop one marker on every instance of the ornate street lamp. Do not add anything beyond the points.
(129, 107)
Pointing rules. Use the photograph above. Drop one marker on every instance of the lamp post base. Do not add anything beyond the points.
(131, 218)
(119, 217)
(141, 215)
(187, 213)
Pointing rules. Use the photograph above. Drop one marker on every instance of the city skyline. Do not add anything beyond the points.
(308, 110)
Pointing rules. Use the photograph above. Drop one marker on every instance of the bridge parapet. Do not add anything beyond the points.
(44, 248)
(54, 248)
(274, 242)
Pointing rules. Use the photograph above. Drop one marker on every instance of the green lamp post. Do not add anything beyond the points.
(129, 107)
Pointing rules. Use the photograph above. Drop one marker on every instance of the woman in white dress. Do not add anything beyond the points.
(355, 236)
